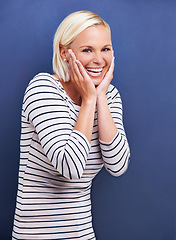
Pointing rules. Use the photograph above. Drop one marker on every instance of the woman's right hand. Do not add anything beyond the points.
(87, 91)
(81, 79)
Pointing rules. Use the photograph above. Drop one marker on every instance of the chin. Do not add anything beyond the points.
(96, 82)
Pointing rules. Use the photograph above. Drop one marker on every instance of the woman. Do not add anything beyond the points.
(71, 127)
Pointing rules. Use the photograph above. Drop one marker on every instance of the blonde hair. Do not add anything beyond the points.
(67, 31)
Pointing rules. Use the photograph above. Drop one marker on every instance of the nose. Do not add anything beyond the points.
(98, 58)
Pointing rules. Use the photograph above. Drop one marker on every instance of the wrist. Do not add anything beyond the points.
(101, 97)
(89, 102)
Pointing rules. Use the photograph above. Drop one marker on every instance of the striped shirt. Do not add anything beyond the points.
(58, 164)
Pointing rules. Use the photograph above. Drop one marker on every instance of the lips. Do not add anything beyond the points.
(94, 72)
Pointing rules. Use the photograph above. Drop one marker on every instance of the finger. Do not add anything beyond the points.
(72, 59)
(112, 52)
(109, 73)
(82, 70)
(112, 64)
(74, 67)
(108, 77)
(78, 67)
(71, 53)
(77, 70)
(71, 71)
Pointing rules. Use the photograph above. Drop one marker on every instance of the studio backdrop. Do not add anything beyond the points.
(141, 204)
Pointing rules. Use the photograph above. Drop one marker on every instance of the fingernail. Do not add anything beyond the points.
(69, 51)
(77, 61)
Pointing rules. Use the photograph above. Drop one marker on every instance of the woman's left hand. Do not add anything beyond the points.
(103, 86)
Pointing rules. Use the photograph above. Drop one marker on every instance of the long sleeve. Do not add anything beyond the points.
(47, 111)
(116, 153)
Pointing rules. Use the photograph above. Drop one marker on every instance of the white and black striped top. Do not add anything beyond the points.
(57, 163)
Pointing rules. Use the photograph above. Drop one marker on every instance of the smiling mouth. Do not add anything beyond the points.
(94, 72)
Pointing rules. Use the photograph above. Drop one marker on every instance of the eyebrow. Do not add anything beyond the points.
(110, 45)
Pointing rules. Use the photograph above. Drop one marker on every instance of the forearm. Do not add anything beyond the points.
(106, 126)
(85, 118)
(115, 151)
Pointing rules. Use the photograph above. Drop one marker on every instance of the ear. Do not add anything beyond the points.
(64, 52)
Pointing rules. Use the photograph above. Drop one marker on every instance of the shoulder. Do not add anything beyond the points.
(43, 86)
(44, 81)
(44, 78)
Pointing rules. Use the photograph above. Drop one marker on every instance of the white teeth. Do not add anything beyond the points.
(95, 69)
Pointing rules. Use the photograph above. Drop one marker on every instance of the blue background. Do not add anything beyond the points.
(141, 204)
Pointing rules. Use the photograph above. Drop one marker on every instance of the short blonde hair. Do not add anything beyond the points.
(67, 31)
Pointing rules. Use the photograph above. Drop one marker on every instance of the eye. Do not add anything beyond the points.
(87, 50)
(106, 49)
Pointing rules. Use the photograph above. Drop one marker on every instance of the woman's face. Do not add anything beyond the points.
(93, 49)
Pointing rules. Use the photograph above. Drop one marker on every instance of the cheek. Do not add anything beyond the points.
(109, 57)
(108, 60)
(84, 60)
